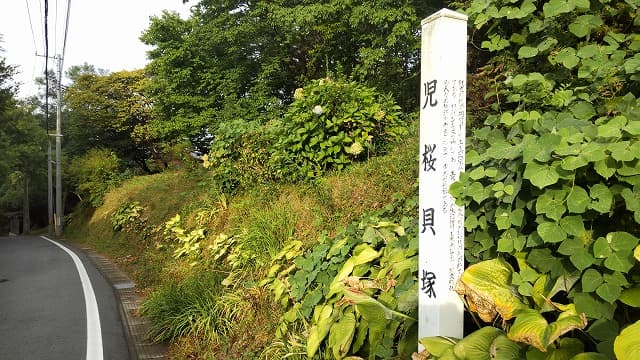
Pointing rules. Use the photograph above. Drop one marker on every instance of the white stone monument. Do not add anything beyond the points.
(442, 149)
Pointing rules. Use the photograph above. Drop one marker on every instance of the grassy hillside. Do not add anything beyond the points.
(228, 242)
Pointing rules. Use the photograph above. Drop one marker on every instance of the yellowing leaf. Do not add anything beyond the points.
(323, 317)
(627, 345)
(363, 254)
(531, 327)
(437, 345)
(487, 288)
(341, 335)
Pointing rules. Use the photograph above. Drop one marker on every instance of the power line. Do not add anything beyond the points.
(33, 35)
(66, 28)
(55, 29)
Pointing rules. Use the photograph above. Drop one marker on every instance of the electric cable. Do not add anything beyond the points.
(33, 35)
(66, 29)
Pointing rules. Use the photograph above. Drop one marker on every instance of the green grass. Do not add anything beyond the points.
(198, 306)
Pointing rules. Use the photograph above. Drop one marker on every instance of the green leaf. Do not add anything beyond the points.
(604, 329)
(605, 168)
(526, 52)
(573, 225)
(477, 344)
(631, 296)
(487, 288)
(590, 356)
(581, 259)
(619, 261)
(541, 176)
(583, 110)
(601, 248)
(609, 130)
(570, 246)
(609, 292)
(591, 280)
(502, 218)
(573, 162)
(545, 44)
(633, 127)
(622, 241)
(317, 333)
(478, 192)
(556, 7)
(529, 328)
(477, 173)
(627, 344)
(551, 232)
(542, 259)
(567, 57)
(578, 200)
(632, 65)
(506, 241)
(551, 203)
(516, 217)
(495, 43)
(593, 307)
(584, 24)
(603, 198)
(588, 51)
(593, 151)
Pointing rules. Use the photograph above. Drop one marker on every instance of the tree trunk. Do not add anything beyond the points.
(26, 217)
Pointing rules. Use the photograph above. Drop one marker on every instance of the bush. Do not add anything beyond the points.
(239, 155)
(94, 174)
(331, 124)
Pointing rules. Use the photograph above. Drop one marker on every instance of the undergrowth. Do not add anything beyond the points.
(211, 305)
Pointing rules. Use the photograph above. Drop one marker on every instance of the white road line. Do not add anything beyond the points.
(94, 332)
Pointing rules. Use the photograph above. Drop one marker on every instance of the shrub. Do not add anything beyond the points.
(240, 153)
(128, 217)
(95, 173)
(333, 123)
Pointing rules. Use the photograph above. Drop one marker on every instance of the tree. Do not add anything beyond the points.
(22, 143)
(243, 60)
(111, 112)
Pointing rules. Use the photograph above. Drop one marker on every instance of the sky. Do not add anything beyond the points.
(103, 33)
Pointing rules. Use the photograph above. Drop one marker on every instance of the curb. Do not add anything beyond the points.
(135, 327)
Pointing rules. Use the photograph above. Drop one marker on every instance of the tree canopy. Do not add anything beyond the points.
(112, 112)
(235, 59)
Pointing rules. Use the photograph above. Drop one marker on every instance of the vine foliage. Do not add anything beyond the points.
(552, 187)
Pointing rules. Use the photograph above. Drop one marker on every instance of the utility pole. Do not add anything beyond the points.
(50, 186)
(59, 209)
(51, 210)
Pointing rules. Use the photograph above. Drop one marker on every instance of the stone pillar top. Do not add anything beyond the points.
(445, 13)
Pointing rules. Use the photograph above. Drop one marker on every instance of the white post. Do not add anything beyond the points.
(442, 147)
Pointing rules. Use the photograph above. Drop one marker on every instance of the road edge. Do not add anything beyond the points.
(134, 326)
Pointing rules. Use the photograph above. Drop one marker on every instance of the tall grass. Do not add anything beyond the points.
(197, 307)
(265, 229)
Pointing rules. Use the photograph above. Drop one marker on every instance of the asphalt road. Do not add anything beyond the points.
(55, 305)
